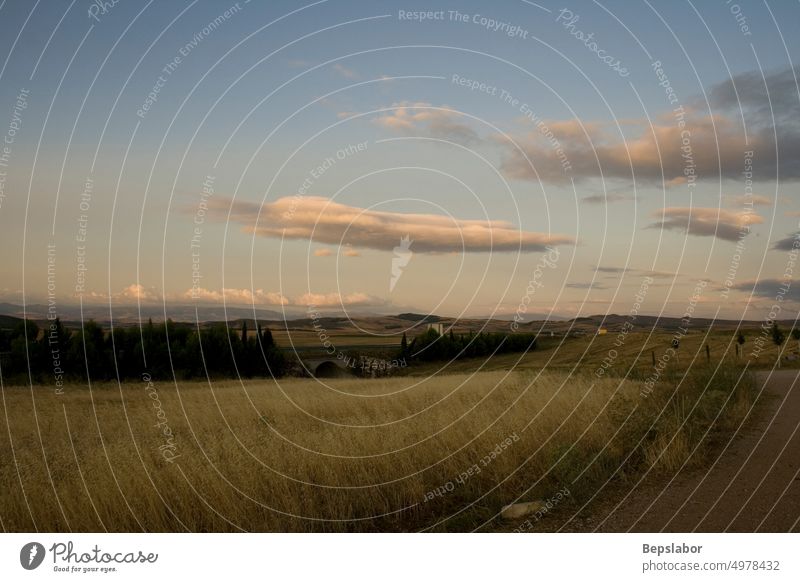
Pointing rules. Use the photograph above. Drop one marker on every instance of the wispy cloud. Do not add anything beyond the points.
(755, 200)
(612, 270)
(345, 72)
(770, 289)
(609, 198)
(790, 243)
(335, 299)
(723, 224)
(324, 221)
(423, 119)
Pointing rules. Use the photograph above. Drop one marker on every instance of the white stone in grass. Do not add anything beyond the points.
(519, 510)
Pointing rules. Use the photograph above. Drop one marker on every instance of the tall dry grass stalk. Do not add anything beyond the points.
(390, 455)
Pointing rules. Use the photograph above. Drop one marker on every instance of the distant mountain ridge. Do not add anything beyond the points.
(11, 314)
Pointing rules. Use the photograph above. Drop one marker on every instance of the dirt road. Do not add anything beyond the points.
(753, 485)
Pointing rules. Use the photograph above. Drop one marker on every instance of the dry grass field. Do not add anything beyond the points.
(399, 454)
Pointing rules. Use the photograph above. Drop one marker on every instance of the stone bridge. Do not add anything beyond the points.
(327, 367)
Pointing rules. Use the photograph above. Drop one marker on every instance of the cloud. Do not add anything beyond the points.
(422, 119)
(644, 272)
(654, 154)
(770, 289)
(323, 252)
(721, 223)
(327, 222)
(711, 144)
(658, 274)
(606, 198)
(234, 296)
(350, 252)
(790, 243)
(760, 97)
(131, 294)
(260, 297)
(612, 270)
(244, 296)
(336, 299)
(754, 200)
(136, 292)
(345, 72)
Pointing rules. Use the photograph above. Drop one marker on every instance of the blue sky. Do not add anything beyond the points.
(264, 96)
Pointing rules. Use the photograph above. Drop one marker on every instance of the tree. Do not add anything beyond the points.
(796, 333)
(404, 345)
(244, 333)
(740, 340)
(777, 334)
(266, 339)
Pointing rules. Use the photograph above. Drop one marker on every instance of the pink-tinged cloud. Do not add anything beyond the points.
(261, 297)
(324, 221)
(754, 200)
(724, 224)
(694, 141)
(351, 252)
(422, 119)
(133, 293)
(664, 152)
(244, 296)
(323, 252)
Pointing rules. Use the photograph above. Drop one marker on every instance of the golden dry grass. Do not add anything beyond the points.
(354, 455)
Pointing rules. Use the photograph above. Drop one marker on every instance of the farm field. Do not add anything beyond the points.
(635, 350)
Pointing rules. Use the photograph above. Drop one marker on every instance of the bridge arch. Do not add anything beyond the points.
(329, 369)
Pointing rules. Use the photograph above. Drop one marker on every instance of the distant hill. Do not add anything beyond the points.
(420, 317)
(298, 318)
(8, 321)
(130, 314)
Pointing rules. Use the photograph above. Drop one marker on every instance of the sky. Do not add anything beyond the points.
(459, 158)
